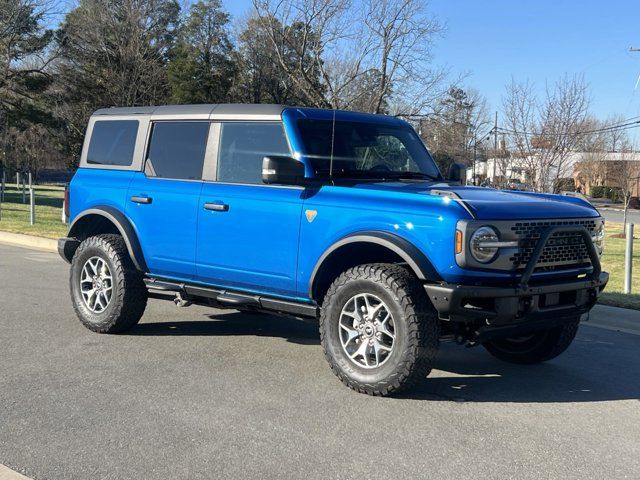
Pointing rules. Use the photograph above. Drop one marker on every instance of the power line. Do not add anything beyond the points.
(609, 128)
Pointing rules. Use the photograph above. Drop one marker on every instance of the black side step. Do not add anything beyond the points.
(234, 299)
(154, 284)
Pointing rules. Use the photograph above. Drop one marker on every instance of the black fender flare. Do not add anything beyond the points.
(124, 226)
(412, 255)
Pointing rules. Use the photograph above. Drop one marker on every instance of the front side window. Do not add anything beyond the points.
(243, 145)
(177, 150)
(365, 150)
(112, 142)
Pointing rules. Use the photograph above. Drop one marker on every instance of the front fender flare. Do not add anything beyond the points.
(124, 226)
(412, 255)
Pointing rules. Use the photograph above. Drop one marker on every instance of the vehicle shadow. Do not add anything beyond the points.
(592, 370)
(235, 323)
(599, 366)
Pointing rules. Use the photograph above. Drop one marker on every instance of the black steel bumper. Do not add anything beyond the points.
(67, 247)
(508, 305)
(522, 302)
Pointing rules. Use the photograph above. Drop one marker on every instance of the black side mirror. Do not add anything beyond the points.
(282, 171)
(457, 173)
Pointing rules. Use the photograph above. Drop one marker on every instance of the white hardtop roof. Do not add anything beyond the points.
(233, 109)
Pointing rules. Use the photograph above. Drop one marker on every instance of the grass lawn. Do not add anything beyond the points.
(613, 262)
(15, 214)
(15, 218)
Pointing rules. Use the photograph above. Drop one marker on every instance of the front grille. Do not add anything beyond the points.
(562, 249)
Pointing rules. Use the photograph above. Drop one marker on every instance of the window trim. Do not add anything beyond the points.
(147, 147)
(138, 149)
(219, 144)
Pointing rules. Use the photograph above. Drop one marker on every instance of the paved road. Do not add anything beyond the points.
(205, 394)
(614, 215)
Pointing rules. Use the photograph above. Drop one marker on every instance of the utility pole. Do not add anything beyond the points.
(495, 150)
(632, 49)
(475, 144)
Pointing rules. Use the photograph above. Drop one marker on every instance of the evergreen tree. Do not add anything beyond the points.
(113, 53)
(202, 66)
(23, 45)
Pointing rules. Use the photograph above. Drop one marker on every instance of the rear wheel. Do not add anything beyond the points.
(107, 291)
(378, 330)
(534, 348)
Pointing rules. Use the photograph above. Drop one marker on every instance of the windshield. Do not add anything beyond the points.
(366, 150)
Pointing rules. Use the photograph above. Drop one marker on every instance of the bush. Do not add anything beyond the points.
(612, 193)
(597, 191)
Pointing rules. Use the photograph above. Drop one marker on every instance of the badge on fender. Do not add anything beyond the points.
(311, 215)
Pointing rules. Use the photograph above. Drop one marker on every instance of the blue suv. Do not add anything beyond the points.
(333, 215)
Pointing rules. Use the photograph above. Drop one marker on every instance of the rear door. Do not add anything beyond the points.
(163, 200)
(247, 231)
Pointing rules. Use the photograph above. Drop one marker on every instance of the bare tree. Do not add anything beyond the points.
(624, 175)
(544, 133)
(457, 127)
(365, 56)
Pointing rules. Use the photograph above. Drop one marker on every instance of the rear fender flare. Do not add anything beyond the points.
(121, 222)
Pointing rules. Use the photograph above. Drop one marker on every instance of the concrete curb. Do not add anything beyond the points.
(614, 318)
(29, 241)
(7, 474)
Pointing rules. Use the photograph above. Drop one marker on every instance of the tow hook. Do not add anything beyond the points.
(181, 302)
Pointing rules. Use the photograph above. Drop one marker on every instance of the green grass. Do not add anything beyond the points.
(15, 218)
(613, 262)
(15, 214)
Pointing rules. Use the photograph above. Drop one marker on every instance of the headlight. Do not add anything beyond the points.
(483, 244)
(598, 239)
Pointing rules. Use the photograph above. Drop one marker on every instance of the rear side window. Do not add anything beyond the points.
(112, 142)
(243, 145)
(177, 150)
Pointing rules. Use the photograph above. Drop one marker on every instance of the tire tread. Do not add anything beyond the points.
(421, 320)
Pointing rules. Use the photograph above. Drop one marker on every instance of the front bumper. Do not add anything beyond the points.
(67, 247)
(497, 306)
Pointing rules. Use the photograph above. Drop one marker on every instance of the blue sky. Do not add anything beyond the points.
(539, 40)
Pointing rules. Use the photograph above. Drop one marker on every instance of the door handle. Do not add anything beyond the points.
(146, 200)
(216, 207)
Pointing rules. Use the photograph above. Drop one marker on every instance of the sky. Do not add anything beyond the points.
(493, 41)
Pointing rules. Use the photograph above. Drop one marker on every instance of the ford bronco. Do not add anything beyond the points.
(331, 215)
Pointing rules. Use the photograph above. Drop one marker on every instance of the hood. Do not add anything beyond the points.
(492, 204)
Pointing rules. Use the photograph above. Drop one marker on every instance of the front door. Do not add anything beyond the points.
(163, 200)
(247, 231)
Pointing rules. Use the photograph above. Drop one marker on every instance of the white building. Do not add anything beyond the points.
(519, 170)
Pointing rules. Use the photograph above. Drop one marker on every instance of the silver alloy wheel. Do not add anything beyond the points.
(367, 330)
(96, 284)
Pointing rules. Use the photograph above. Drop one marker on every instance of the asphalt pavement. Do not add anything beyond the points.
(195, 393)
(617, 215)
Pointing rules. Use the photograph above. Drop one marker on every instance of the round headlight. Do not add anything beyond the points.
(479, 244)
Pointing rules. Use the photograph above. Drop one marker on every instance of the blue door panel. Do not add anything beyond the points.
(166, 226)
(254, 244)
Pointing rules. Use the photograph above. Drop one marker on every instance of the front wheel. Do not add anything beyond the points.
(378, 330)
(534, 348)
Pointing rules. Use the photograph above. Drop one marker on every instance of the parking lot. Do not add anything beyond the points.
(198, 393)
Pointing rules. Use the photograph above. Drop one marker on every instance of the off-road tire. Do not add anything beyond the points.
(129, 295)
(417, 328)
(536, 348)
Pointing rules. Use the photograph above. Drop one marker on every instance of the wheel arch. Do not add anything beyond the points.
(106, 219)
(367, 247)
